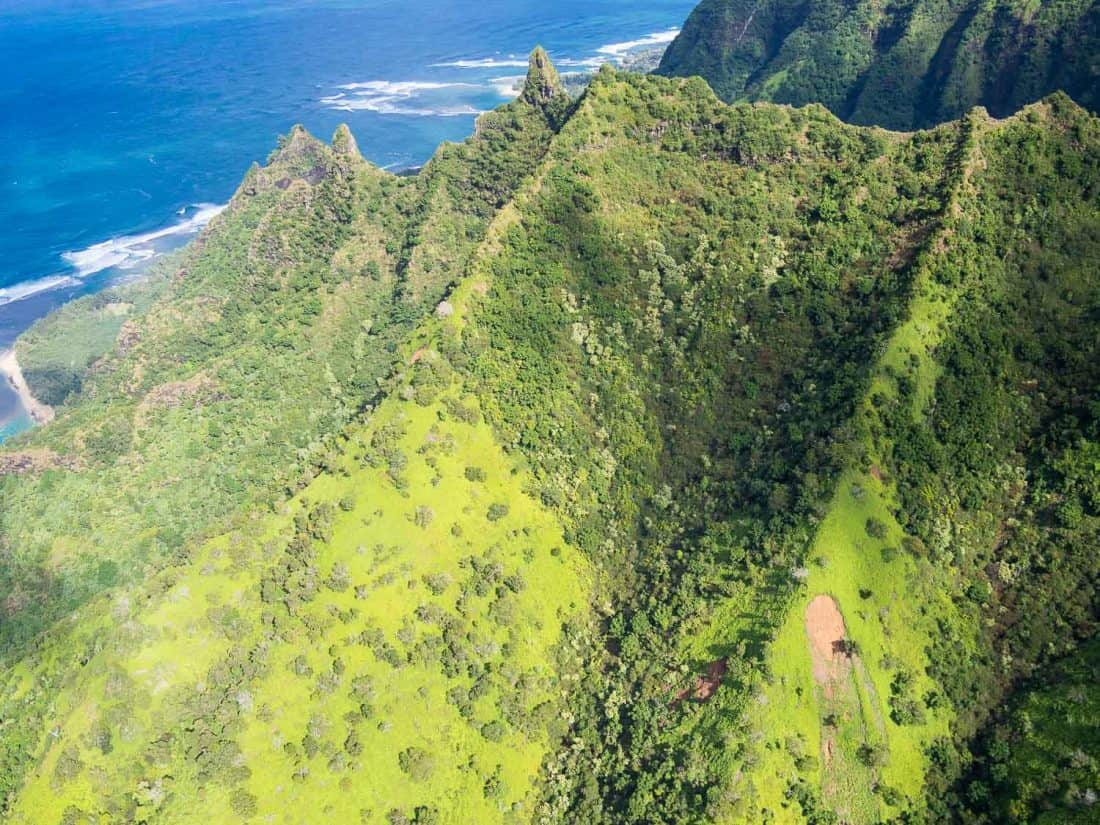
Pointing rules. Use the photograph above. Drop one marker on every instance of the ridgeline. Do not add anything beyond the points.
(499, 492)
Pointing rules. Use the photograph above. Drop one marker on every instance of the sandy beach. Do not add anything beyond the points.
(9, 368)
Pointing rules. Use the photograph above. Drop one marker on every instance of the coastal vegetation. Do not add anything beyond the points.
(643, 459)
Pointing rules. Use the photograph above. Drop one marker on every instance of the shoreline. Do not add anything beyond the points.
(39, 412)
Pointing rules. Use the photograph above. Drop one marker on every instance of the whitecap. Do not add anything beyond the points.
(581, 62)
(620, 50)
(483, 63)
(129, 251)
(403, 88)
(25, 289)
(404, 97)
(509, 86)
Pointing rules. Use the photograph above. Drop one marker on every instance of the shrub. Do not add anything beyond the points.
(876, 529)
(423, 516)
(243, 803)
(493, 731)
(417, 763)
(874, 756)
(437, 583)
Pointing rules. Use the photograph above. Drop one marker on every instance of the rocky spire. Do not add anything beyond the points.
(542, 84)
(343, 141)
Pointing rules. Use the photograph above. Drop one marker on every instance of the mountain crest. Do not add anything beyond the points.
(343, 141)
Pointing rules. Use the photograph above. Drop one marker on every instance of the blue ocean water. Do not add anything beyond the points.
(124, 123)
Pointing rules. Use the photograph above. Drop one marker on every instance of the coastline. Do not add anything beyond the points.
(39, 412)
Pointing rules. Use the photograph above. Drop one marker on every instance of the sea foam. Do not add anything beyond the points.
(402, 97)
(508, 86)
(483, 63)
(128, 251)
(25, 289)
(620, 50)
(452, 98)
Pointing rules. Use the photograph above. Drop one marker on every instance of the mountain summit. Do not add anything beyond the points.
(543, 83)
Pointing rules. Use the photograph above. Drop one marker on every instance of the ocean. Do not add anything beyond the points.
(126, 124)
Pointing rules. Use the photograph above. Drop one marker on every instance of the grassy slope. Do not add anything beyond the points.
(895, 605)
(272, 334)
(58, 350)
(616, 149)
(603, 199)
(160, 661)
(278, 326)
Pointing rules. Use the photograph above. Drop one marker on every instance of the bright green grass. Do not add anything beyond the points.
(890, 603)
(892, 627)
(412, 709)
(846, 780)
(386, 555)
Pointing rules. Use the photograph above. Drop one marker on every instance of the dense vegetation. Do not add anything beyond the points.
(903, 64)
(499, 493)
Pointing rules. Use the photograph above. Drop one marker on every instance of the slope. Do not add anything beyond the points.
(396, 620)
(698, 326)
(705, 365)
(230, 391)
(903, 65)
(270, 334)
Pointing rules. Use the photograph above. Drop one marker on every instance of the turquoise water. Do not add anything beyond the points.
(126, 123)
(18, 422)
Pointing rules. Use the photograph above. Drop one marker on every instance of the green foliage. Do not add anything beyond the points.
(56, 353)
(417, 763)
(697, 365)
(902, 65)
(1041, 762)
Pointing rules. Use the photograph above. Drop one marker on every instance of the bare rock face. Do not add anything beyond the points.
(28, 462)
(444, 310)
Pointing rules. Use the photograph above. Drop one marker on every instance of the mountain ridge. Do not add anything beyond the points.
(669, 385)
(901, 65)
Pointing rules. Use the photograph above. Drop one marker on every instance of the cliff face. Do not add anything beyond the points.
(903, 64)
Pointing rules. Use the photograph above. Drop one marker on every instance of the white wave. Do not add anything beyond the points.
(483, 63)
(582, 62)
(509, 86)
(128, 251)
(406, 97)
(619, 50)
(25, 289)
(404, 88)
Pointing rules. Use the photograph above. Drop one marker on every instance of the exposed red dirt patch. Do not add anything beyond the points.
(829, 649)
(876, 472)
(706, 685)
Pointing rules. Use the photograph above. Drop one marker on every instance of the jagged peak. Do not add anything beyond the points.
(296, 146)
(343, 142)
(543, 83)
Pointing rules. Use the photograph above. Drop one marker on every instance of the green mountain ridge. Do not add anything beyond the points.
(499, 493)
(906, 64)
